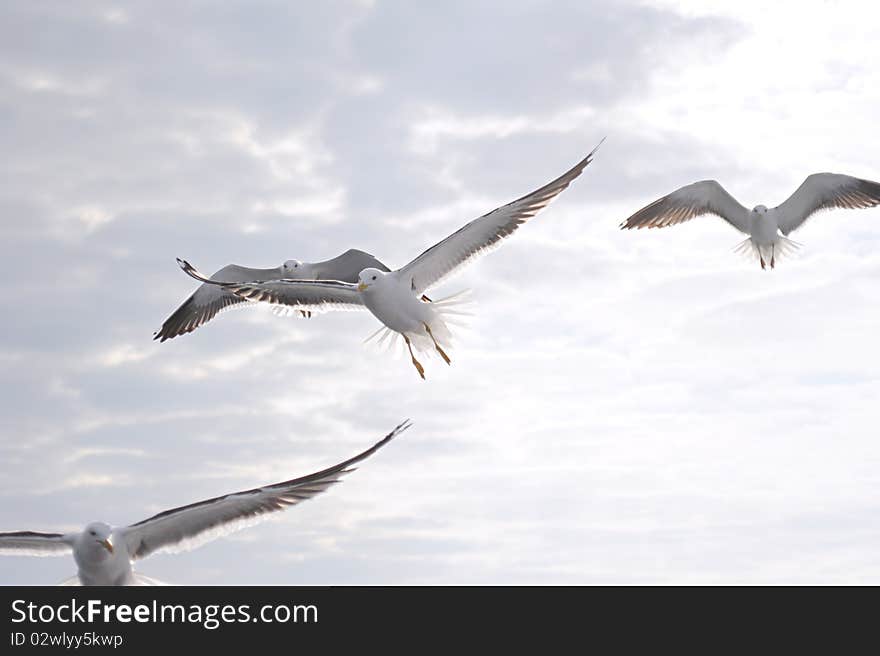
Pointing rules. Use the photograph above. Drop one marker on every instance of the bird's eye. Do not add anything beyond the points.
(374, 277)
(92, 532)
(296, 266)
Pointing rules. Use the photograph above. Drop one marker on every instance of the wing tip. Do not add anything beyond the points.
(400, 428)
(397, 430)
(192, 272)
(586, 161)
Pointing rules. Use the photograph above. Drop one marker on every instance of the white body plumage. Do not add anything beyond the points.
(98, 560)
(393, 302)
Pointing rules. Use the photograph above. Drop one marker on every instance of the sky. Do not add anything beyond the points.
(624, 407)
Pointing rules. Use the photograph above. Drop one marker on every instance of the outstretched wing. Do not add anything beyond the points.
(186, 527)
(822, 191)
(484, 233)
(209, 300)
(306, 295)
(32, 543)
(704, 197)
(347, 266)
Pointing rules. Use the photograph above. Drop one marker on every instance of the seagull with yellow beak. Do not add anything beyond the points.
(104, 554)
(396, 298)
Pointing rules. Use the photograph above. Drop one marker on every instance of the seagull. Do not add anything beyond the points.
(103, 554)
(395, 297)
(208, 300)
(767, 228)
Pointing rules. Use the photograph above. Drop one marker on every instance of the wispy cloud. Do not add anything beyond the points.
(625, 407)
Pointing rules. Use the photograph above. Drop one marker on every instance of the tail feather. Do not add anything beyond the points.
(446, 312)
(372, 336)
(384, 334)
(137, 579)
(770, 253)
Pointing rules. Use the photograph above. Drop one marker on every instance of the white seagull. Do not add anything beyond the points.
(209, 300)
(395, 297)
(820, 191)
(104, 554)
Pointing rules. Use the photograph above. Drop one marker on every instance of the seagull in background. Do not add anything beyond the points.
(395, 297)
(103, 554)
(209, 300)
(767, 229)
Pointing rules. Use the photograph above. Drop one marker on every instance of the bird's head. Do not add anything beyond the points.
(95, 538)
(760, 209)
(292, 268)
(369, 278)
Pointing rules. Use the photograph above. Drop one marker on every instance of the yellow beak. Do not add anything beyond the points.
(106, 544)
(362, 286)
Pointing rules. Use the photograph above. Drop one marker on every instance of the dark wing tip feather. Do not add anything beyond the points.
(30, 534)
(191, 271)
(566, 178)
(543, 195)
(673, 208)
(868, 192)
(515, 213)
(652, 215)
(856, 193)
(189, 316)
(346, 466)
(340, 468)
(174, 325)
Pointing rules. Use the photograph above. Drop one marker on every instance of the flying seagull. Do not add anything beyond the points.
(209, 300)
(394, 297)
(104, 554)
(820, 191)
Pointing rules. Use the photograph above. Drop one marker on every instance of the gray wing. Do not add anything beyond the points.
(306, 295)
(704, 197)
(484, 233)
(209, 300)
(32, 543)
(347, 266)
(189, 526)
(822, 191)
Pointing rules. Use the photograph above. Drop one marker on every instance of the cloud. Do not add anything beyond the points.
(624, 407)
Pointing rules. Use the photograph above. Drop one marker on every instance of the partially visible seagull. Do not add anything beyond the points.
(208, 300)
(104, 554)
(395, 297)
(820, 191)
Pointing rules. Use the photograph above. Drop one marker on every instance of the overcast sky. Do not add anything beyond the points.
(624, 407)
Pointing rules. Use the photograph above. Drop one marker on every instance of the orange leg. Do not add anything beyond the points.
(416, 363)
(436, 345)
